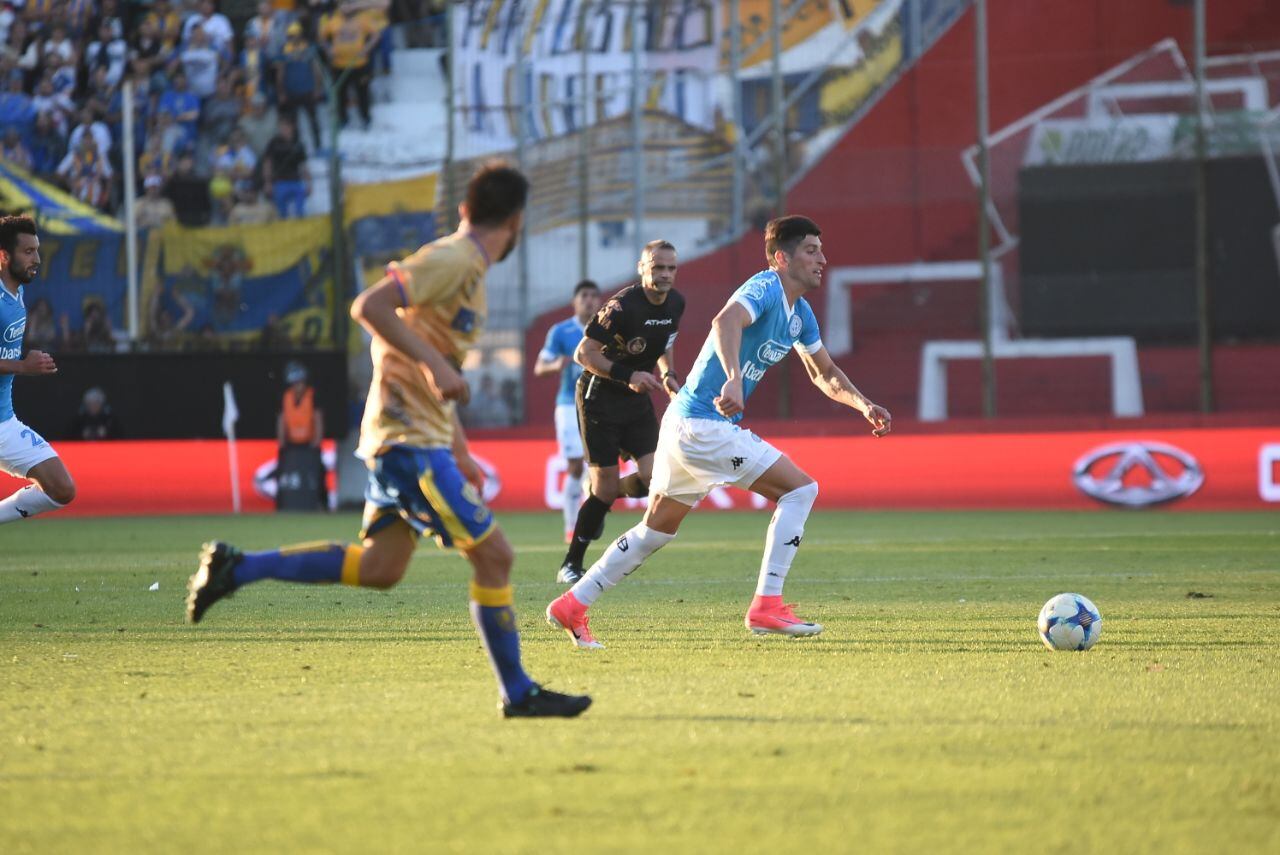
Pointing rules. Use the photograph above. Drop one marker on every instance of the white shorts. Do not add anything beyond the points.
(21, 448)
(697, 455)
(567, 433)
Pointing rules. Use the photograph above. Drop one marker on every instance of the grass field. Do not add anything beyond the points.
(927, 716)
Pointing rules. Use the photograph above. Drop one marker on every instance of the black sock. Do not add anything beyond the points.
(590, 521)
(632, 487)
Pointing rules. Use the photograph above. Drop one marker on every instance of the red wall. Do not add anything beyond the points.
(893, 190)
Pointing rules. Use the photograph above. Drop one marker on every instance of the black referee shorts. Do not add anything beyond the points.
(615, 422)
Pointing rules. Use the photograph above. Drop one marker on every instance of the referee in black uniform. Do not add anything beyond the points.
(633, 332)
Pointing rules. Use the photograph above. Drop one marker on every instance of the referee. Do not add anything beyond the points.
(635, 331)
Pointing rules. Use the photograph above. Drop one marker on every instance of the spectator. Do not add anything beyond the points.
(189, 193)
(90, 124)
(200, 61)
(78, 15)
(42, 331)
(48, 145)
(274, 336)
(62, 73)
(95, 420)
(259, 124)
(7, 19)
(182, 104)
(221, 194)
(253, 68)
(172, 137)
(153, 210)
(269, 27)
(86, 173)
(14, 151)
(250, 208)
(298, 80)
(17, 109)
(237, 157)
(165, 330)
(214, 24)
(164, 21)
(150, 52)
(154, 160)
(347, 39)
(58, 106)
(95, 335)
(377, 21)
(109, 51)
(220, 115)
(284, 168)
(59, 44)
(485, 409)
(98, 97)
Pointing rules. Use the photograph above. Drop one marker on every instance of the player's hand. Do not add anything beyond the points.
(471, 471)
(879, 418)
(672, 385)
(644, 382)
(729, 404)
(447, 384)
(38, 362)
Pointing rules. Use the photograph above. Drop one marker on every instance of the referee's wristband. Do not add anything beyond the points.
(620, 372)
(670, 374)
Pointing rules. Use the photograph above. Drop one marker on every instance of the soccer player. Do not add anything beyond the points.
(557, 355)
(23, 452)
(635, 331)
(424, 316)
(702, 447)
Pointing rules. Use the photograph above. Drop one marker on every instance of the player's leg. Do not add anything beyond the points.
(794, 492)
(25, 454)
(388, 536)
(569, 438)
(589, 525)
(491, 599)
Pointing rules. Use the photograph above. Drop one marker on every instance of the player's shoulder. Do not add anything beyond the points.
(675, 302)
(568, 327)
(761, 289)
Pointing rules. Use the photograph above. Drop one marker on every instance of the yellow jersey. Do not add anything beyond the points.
(444, 305)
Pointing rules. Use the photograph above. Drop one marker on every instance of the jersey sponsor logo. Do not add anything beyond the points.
(10, 353)
(14, 331)
(793, 326)
(657, 322)
(753, 372)
(636, 345)
(772, 352)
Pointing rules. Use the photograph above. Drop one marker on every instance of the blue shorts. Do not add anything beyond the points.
(425, 488)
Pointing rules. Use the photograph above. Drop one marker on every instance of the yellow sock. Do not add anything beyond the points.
(351, 565)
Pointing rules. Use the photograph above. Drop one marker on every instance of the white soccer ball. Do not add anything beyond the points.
(1070, 622)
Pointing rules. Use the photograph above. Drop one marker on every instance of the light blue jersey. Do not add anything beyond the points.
(13, 324)
(774, 330)
(562, 340)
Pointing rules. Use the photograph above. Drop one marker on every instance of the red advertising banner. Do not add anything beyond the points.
(1191, 469)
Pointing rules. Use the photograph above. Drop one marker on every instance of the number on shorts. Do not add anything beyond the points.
(36, 439)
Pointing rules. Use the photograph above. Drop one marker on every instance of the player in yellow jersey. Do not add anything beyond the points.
(424, 316)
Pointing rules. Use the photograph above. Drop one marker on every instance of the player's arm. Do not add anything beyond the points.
(549, 362)
(35, 362)
(375, 310)
(726, 335)
(667, 368)
(837, 386)
(590, 355)
(462, 454)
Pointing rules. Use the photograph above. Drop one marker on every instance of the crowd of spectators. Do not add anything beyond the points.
(219, 89)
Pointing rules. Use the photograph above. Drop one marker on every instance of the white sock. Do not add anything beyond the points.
(572, 501)
(27, 502)
(785, 531)
(622, 557)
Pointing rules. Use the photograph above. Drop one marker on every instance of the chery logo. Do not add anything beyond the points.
(1137, 474)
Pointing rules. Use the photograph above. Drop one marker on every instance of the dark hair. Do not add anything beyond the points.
(585, 285)
(11, 227)
(787, 233)
(495, 193)
(654, 245)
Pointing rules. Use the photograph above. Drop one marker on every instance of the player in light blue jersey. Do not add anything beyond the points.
(23, 452)
(557, 356)
(701, 447)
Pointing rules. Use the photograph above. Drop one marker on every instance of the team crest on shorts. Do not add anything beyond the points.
(636, 345)
(793, 327)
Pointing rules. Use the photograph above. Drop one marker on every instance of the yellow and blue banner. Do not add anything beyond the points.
(239, 280)
(56, 211)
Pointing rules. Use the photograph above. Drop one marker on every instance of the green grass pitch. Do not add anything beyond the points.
(927, 717)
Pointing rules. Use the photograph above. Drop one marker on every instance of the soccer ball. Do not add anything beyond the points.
(1070, 622)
